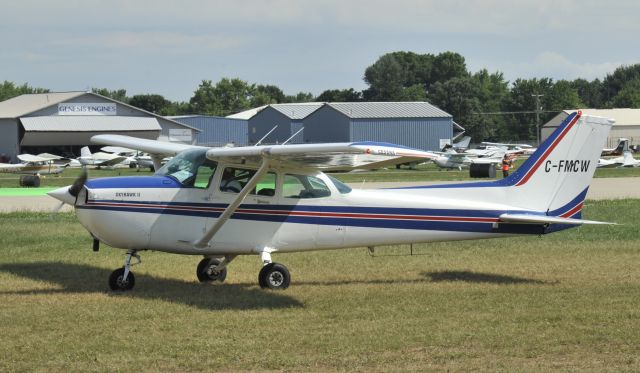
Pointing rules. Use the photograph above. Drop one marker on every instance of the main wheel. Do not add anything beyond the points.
(274, 276)
(207, 271)
(117, 282)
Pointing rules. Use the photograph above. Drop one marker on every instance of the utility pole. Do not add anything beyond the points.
(538, 109)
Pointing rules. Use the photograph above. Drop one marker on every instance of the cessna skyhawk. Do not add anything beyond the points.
(219, 203)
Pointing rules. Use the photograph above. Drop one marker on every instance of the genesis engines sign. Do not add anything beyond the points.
(87, 108)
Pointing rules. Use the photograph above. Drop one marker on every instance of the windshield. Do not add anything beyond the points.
(342, 188)
(191, 168)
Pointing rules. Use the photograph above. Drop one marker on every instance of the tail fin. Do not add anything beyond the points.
(85, 152)
(558, 174)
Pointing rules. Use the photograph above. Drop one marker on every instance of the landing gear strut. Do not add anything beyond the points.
(213, 269)
(122, 279)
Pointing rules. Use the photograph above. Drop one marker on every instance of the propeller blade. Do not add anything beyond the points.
(78, 184)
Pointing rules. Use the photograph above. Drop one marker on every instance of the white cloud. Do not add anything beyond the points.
(151, 40)
(555, 65)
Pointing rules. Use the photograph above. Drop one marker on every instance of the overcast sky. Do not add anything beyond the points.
(169, 47)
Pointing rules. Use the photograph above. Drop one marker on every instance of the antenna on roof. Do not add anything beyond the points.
(292, 136)
(265, 136)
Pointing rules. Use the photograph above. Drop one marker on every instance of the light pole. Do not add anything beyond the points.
(538, 109)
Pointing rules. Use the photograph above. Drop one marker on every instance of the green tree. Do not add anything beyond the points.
(459, 97)
(448, 65)
(10, 89)
(590, 93)
(204, 99)
(150, 102)
(340, 95)
(299, 97)
(386, 79)
(272, 94)
(629, 96)
(615, 82)
(117, 94)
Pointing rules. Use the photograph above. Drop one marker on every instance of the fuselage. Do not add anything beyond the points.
(159, 213)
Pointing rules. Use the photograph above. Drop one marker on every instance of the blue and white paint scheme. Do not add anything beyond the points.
(224, 202)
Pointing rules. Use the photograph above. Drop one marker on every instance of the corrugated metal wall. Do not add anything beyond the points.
(9, 142)
(326, 125)
(295, 127)
(217, 131)
(264, 121)
(419, 133)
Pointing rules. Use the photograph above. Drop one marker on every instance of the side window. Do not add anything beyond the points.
(304, 186)
(234, 179)
(266, 186)
(204, 174)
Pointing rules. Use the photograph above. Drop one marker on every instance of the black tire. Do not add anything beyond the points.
(206, 271)
(274, 276)
(116, 283)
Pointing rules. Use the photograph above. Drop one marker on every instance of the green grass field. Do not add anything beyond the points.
(567, 301)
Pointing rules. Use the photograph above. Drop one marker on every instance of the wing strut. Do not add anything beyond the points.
(233, 206)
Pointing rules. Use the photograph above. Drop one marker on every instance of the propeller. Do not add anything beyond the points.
(78, 183)
(69, 194)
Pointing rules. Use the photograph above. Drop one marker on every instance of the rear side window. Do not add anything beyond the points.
(304, 186)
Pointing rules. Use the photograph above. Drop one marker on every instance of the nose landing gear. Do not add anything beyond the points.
(122, 279)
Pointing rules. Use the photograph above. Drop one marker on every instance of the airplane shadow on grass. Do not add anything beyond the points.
(80, 278)
(440, 276)
(487, 278)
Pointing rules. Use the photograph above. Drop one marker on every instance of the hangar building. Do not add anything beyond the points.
(62, 122)
(627, 124)
(216, 131)
(287, 117)
(418, 125)
(415, 124)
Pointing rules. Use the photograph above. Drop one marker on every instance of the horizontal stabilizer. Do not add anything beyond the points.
(544, 219)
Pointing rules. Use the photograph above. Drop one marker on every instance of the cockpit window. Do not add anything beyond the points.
(191, 168)
(342, 188)
(304, 186)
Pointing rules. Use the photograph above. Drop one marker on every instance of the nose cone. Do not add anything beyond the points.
(62, 194)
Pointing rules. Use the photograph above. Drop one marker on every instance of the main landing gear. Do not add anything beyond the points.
(271, 276)
(122, 279)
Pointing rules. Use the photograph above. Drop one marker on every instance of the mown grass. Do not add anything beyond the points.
(423, 172)
(567, 301)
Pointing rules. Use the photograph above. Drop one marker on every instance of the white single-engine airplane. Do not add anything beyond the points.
(223, 202)
(34, 165)
(99, 159)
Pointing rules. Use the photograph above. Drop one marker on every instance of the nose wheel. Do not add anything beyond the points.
(122, 279)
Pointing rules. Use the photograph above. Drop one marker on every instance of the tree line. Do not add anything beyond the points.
(488, 106)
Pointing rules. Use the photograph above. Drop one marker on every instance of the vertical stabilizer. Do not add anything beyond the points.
(558, 174)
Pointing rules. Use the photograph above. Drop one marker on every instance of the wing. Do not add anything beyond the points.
(145, 145)
(331, 156)
(110, 162)
(29, 158)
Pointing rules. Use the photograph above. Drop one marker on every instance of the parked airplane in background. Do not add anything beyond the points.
(623, 145)
(33, 165)
(463, 160)
(488, 149)
(626, 160)
(459, 146)
(223, 202)
(99, 159)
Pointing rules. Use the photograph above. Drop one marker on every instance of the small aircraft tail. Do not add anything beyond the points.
(85, 152)
(462, 144)
(558, 174)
